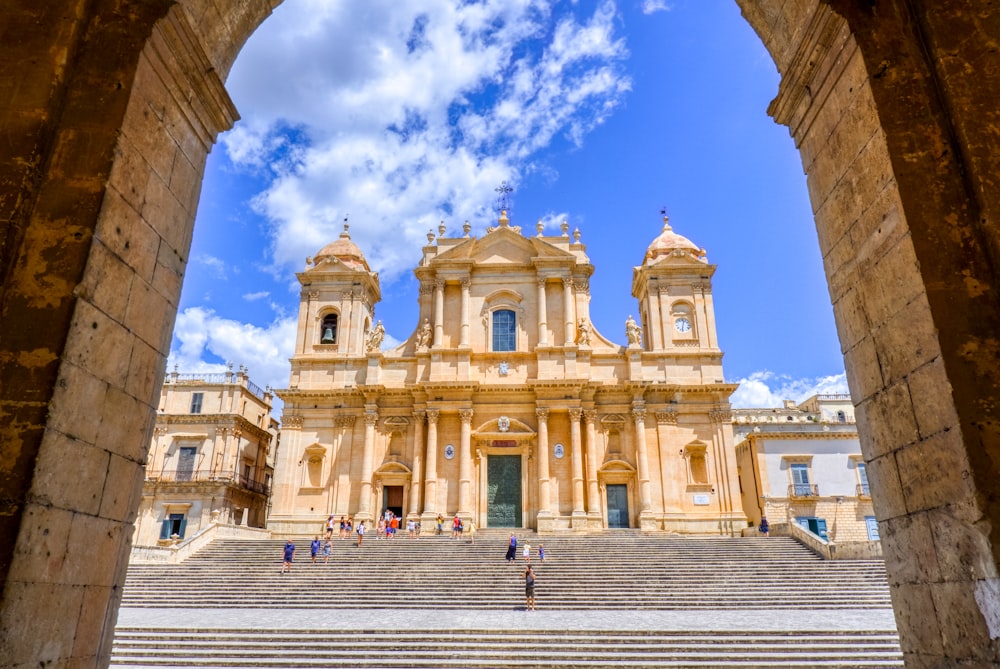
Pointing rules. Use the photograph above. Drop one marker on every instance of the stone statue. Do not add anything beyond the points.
(583, 332)
(424, 335)
(375, 338)
(633, 332)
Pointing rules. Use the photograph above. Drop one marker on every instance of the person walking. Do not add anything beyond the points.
(511, 548)
(289, 555)
(411, 528)
(329, 526)
(314, 548)
(529, 589)
(361, 532)
(327, 549)
(472, 531)
(541, 553)
(765, 527)
(526, 553)
(440, 525)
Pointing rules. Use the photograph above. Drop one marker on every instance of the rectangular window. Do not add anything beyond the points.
(872, 526)
(173, 525)
(185, 462)
(863, 477)
(504, 330)
(800, 480)
(196, 400)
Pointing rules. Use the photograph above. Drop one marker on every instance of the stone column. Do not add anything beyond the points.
(639, 413)
(418, 460)
(593, 494)
(543, 462)
(466, 283)
(465, 465)
(658, 328)
(430, 477)
(576, 460)
(543, 334)
(569, 313)
(438, 312)
(367, 456)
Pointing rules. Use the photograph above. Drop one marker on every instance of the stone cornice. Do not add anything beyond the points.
(234, 421)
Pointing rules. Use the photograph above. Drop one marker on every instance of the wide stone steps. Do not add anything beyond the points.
(501, 649)
(629, 571)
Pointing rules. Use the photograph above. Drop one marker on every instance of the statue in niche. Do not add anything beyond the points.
(583, 332)
(424, 335)
(633, 332)
(375, 337)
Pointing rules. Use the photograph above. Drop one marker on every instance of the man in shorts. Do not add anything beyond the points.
(529, 589)
(289, 554)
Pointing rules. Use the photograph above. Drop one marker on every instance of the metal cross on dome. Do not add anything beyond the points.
(504, 201)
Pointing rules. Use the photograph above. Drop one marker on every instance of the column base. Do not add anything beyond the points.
(579, 521)
(545, 522)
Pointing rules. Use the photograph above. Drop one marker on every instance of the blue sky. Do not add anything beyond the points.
(403, 113)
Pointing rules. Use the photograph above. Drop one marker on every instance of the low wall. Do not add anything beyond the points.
(843, 550)
(188, 547)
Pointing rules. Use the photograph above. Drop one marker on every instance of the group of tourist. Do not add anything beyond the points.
(317, 546)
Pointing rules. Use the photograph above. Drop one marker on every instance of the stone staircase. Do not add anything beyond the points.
(621, 573)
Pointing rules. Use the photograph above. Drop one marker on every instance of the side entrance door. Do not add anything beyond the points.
(618, 505)
(503, 491)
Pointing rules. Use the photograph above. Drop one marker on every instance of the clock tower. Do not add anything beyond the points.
(674, 289)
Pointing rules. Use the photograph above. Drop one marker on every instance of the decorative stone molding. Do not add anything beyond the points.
(543, 414)
(639, 413)
(465, 415)
(344, 421)
(721, 415)
(291, 421)
(668, 417)
(419, 416)
(575, 414)
(371, 418)
(433, 415)
(395, 422)
(589, 416)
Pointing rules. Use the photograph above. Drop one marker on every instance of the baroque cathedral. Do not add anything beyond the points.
(505, 405)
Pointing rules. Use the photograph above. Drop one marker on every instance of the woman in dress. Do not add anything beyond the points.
(512, 548)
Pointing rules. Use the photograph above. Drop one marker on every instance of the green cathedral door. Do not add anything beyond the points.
(617, 506)
(503, 491)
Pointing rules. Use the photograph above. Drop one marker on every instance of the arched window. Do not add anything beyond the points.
(504, 330)
(841, 417)
(328, 331)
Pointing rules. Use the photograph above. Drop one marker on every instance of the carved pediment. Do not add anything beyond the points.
(503, 428)
(616, 466)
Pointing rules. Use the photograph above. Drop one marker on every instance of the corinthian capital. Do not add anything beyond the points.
(433, 415)
(543, 414)
(465, 415)
(575, 414)
(371, 418)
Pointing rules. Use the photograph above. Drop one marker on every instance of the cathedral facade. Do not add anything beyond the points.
(505, 405)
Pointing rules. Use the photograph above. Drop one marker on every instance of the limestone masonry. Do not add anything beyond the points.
(505, 406)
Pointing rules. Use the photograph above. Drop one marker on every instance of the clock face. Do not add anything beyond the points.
(682, 325)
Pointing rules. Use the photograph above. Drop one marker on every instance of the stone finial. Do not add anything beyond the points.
(430, 236)
(441, 229)
(309, 261)
(666, 223)
(504, 221)
(576, 235)
(466, 228)
(540, 227)
(564, 226)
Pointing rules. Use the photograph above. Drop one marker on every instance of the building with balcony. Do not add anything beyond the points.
(802, 463)
(211, 458)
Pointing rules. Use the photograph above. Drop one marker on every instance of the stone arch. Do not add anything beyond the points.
(116, 104)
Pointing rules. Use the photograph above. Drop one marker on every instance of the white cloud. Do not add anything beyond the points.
(201, 335)
(411, 111)
(216, 266)
(767, 389)
(653, 6)
(253, 297)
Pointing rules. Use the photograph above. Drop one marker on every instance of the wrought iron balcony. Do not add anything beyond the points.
(185, 476)
(803, 490)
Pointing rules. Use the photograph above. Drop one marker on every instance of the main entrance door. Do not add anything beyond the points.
(503, 491)
(392, 499)
(617, 505)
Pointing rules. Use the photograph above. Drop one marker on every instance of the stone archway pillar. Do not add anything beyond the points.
(893, 106)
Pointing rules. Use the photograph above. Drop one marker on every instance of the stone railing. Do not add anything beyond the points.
(181, 551)
(828, 550)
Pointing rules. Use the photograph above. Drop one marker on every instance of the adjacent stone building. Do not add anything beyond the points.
(802, 464)
(211, 458)
(505, 405)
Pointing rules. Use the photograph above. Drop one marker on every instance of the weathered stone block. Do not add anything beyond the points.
(907, 341)
(917, 621)
(908, 541)
(122, 489)
(123, 231)
(143, 301)
(935, 472)
(44, 640)
(75, 406)
(883, 475)
(889, 420)
(98, 346)
(145, 372)
(125, 425)
(100, 538)
(129, 173)
(64, 459)
(931, 381)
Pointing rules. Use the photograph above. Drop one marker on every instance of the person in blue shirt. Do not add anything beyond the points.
(289, 556)
(314, 548)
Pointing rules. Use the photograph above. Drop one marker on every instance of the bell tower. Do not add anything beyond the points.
(337, 302)
(674, 289)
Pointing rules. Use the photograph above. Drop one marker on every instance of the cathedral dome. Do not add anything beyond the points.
(669, 241)
(344, 250)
